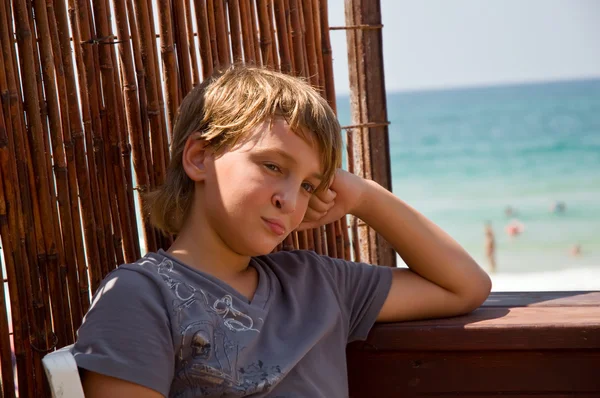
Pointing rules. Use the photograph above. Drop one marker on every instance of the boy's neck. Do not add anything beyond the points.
(227, 266)
(205, 252)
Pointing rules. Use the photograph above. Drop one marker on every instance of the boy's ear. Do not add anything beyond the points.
(194, 157)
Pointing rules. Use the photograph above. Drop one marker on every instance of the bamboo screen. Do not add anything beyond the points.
(89, 91)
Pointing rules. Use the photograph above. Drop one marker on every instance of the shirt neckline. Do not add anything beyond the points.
(263, 289)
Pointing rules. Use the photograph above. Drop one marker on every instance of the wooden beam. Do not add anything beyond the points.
(368, 138)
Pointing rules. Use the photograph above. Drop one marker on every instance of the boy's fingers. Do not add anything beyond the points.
(313, 215)
(319, 205)
(326, 196)
(329, 195)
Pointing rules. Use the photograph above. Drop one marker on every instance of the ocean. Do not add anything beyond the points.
(463, 156)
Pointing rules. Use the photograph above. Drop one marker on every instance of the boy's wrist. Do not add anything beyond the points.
(368, 189)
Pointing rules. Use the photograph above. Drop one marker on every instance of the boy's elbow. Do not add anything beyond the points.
(479, 292)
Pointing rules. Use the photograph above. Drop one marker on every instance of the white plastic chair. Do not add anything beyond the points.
(62, 373)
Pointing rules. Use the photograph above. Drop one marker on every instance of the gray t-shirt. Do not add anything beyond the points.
(181, 332)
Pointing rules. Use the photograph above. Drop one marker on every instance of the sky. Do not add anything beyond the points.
(429, 44)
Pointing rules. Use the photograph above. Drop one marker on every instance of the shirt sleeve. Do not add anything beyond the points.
(362, 290)
(126, 333)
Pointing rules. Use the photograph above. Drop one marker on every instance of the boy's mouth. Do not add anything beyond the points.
(275, 226)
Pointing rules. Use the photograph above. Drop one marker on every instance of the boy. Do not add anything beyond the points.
(255, 155)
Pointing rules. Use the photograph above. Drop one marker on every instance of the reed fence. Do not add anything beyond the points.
(89, 91)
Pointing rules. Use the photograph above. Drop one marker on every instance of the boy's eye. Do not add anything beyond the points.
(272, 167)
(308, 187)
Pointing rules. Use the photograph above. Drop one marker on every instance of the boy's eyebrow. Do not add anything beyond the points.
(288, 157)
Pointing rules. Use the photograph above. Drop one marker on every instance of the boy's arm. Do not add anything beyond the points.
(96, 385)
(442, 279)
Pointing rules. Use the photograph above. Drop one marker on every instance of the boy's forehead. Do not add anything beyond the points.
(278, 134)
(278, 138)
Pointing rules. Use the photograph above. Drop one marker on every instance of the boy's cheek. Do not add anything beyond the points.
(299, 217)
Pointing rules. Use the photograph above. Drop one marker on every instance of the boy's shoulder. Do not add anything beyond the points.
(145, 268)
(294, 258)
(304, 263)
(135, 279)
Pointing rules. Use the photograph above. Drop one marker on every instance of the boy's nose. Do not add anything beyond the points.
(285, 201)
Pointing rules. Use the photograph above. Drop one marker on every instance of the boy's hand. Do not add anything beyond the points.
(343, 196)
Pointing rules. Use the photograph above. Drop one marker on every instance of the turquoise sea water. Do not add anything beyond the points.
(462, 156)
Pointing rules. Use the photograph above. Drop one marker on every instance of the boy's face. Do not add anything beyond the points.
(256, 193)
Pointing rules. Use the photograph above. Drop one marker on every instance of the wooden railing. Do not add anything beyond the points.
(543, 344)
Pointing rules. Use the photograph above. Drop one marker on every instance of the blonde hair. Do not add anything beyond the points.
(228, 106)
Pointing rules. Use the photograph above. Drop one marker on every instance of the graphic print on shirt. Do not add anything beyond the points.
(208, 360)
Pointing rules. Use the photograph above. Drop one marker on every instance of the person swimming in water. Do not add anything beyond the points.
(509, 211)
(514, 228)
(558, 207)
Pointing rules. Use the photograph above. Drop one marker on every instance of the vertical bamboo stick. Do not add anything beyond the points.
(212, 29)
(222, 36)
(154, 111)
(253, 23)
(318, 82)
(8, 384)
(115, 129)
(340, 232)
(235, 28)
(67, 251)
(183, 51)
(161, 138)
(204, 38)
(288, 243)
(265, 33)
(156, 240)
(140, 74)
(297, 40)
(272, 38)
(191, 46)
(318, 239)
(101, 141)
(288, 18)
(133, 116)
(303, 30)
(43, 213)
(74, 152)
(282, 39)
(125, 150)
(317, 37)
(329, 93)
(310, 44)
(247, 39)
(167, 54)
(302, 240)
(88, 97)
(327, 55)
(16, 173)
(310, 240)
(53, 256)
(165, 127)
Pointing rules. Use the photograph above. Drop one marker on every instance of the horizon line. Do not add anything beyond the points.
(484, 85)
